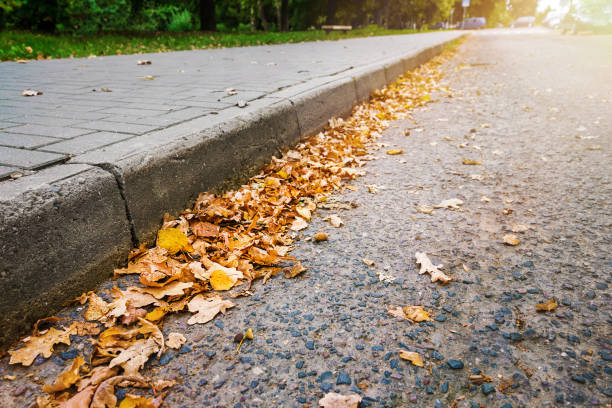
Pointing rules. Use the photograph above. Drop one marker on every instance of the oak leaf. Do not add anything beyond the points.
(105, 394)
(428, 267)
(134, 358)
(206, 309)
(42, 344)
(175, 288)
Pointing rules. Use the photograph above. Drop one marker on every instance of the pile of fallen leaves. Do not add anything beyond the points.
(213, 253)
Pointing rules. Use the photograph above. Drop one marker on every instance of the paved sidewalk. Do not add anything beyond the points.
(75, 115)
(101, 168)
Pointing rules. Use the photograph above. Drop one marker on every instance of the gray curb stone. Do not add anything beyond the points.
(67, 234)
(58, 239)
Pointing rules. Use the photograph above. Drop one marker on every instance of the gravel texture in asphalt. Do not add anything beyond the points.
(535, 110)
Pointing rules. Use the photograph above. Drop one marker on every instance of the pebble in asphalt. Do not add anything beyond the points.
(532, 107)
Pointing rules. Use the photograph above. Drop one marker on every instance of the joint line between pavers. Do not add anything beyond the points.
(112, 169)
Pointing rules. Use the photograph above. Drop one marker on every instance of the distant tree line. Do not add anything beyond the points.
(93, 16)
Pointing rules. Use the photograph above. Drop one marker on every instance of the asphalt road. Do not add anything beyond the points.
(536, 110)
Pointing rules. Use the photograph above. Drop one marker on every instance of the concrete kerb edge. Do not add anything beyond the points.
(167, 177)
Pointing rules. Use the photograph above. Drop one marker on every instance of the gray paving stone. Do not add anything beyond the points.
(52, 131)
(6, 171)
(27, 159)
(24, 141)
(43, 120)
(117, 127)
(82, 144)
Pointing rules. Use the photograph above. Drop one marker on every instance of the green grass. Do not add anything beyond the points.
(15, 45)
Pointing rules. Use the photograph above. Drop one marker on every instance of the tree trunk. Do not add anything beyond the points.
(332, 6)
(207, 15)
(387, 7)
(284, 24)
(262, 16)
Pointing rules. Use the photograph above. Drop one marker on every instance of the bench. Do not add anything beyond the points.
(343, 28)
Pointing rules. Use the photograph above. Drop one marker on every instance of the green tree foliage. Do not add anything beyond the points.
(91, 16)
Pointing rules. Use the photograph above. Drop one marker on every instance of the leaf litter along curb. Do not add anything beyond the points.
(224, 242)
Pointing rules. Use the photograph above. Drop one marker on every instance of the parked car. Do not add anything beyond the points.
(526, 21)
(474, 23)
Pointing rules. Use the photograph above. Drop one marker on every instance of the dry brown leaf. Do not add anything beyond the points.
(206, 309)
(373, 189)
(413, 357)
(428, 267)
(96, 376)
(35, 345)
(84, 328)
(335, 221)
(470, 162)
(451, 204)
(134, 357)
(548, 306)
(81, 399)
(425, 209)
(298, 224)
(320, 236)
(334, 400)
(31, 92)
(368, 262)
(295, 271)
(479, 379)
(175, 288)
(393, 152)
(416, 314)
(205, 229)
(104, 396)
(511, 239)
(66, 379)
(175, 340)
(519, 228)
(143, 62)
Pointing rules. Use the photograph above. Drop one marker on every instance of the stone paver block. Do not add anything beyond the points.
(27, 159)
(52, 131)
(117, 127)
(82, 144)
(24, 141)
(6, 171)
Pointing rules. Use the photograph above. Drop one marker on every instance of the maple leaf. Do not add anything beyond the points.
(206, 309)
(66, 379)
(334, 400)
(451, 204)
(428, 267)
(173, 240)
(42, 344)
(413, 357)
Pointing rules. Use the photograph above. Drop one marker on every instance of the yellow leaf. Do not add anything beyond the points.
(174, 240)
(282, 174)
(511, 239)
(413, 357)
(249, 334)
(67, 378)
(426, 98)
(393, 152)
(156, 314)
(470, 162)
(417, 314)
(136, 401)
(295, 271)
(547, 306)
(220, 281)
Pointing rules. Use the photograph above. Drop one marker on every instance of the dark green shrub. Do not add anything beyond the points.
(82, 17)
(181, 21)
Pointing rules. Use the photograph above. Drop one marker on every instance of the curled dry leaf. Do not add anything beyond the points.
(334, 400)
(143, 62)
(335, 221)
(295, 271)
(320, 236)
(479, 379)
(175, 340)
(414, 358)
(451, 204)
(511, 239)
(428, 267)
(105, 394)
(425, 209)
(205, 229)
(414, 314)
(66, 379)
(42, 344)
(206, 309)
(368, 262)
(393, 152)
(175, 288)
(31, 92)
(548, 306)
(470, 162)
(373, 189)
